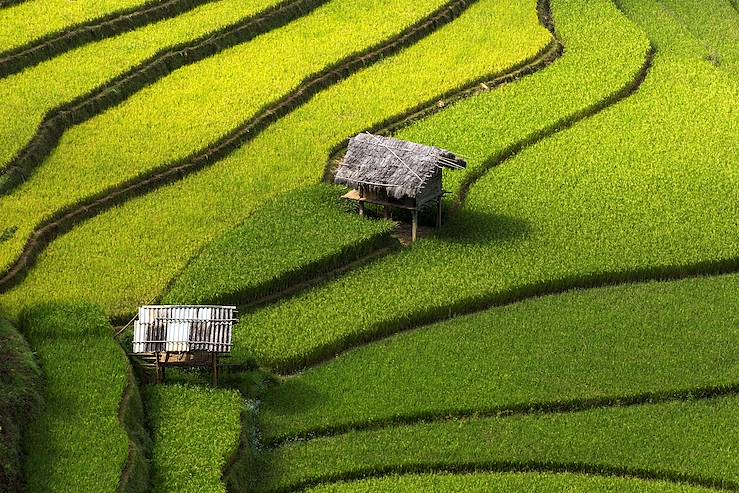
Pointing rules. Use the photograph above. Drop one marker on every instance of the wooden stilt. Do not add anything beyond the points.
(438, 212)
(157, 369)
(361, 202)
(215, 370)
(414, 228)
(387, 211)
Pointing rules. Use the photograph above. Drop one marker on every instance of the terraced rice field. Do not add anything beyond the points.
(573, 326)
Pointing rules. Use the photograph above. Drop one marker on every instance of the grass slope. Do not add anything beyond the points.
(693, 441)
(604, 344)
(20, 388)
(77, 443)
(716, 24)
(31, 94)
(194, 107)
(131, 267)
(195, 432)
(531, 482)
(573, 210)
(291, 239)
(34, 19)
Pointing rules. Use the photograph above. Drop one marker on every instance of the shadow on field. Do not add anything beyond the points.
(477, 227)
(309, 398)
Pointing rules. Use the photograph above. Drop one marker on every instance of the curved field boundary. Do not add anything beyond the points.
(64, 220)
(22, 389)
(135, 474)
(117, 90)
(29, 55)
(527, 292)
(385, 248)
(547, 288)
(240, 469)
(541, 467)
(564, 124)
(645, 439)
(10, 3)
(505, 481)
(531, 409)
(484, 84)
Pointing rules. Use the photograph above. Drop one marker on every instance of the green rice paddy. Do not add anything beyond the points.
(573, 326)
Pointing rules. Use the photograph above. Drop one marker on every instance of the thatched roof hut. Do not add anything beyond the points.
(395, 168)
(395, 173)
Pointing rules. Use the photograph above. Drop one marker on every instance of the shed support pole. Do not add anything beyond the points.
(361, 202)
(387, 211)
(414, 228)
(157, 369)
(215, 369)
(438, 212)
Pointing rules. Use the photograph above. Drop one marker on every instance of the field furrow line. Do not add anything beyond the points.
(31, 54)
(65, 219)
(575, 468)
(474, 88)
(677, 441)
(529, 409)
(530, 292)
(9, 3)
(323, 278)
(509, 238)
(570, 121)
(122, 87)
(135, 473)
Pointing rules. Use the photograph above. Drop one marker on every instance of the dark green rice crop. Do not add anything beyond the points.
(601, 345)
(693, 441)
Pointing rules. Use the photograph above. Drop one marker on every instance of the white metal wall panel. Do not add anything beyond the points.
(184, 328)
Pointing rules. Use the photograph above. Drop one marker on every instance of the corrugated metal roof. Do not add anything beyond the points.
(184, 328)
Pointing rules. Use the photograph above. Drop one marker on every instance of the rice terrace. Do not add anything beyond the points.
(360, 246)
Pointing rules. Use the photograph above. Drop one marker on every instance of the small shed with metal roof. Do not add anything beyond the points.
(183, 335)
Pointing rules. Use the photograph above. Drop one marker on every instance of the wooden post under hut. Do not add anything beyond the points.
(395, 174)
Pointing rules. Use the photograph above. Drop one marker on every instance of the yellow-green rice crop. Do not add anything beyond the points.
(130, 257)
(715, 23)
(34, 19)
(78, 442)
(194, 107)
(30, 95)
(195, 431)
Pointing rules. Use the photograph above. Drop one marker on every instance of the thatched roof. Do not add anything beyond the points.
(398, 167)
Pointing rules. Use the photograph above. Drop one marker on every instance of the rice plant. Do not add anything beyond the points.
(194, 107)
(690, 441)
(287, 156)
